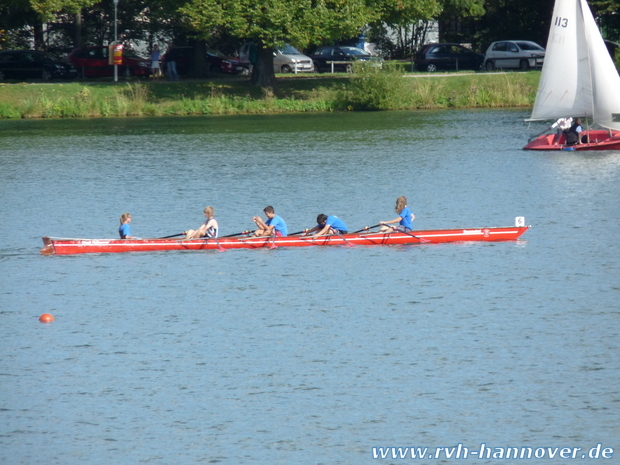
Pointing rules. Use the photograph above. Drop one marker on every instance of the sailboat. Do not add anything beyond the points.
(579, 80)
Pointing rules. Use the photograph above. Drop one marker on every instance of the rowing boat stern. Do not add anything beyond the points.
(48, 247)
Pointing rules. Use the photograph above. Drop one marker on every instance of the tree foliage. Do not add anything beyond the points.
(272, 23)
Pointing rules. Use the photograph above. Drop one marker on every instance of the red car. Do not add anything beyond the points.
(94, 62)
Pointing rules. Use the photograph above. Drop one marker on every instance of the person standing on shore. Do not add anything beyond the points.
(171, 63)
(155, 69)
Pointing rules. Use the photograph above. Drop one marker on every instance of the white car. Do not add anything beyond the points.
(518, 54)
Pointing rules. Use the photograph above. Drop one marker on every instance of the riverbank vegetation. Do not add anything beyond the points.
(366, 90)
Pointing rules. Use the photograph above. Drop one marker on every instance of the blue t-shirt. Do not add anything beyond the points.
(278, 225)
(335, 223)
(406, 218)
(124, 230)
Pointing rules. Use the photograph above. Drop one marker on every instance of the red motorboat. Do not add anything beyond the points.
(58, 246)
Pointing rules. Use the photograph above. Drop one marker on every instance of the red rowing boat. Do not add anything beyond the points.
(60, 246)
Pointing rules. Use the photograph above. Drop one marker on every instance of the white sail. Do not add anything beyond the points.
(605, 78)
(578, 77)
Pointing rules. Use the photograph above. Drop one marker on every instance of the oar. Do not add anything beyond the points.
(238, 234)
(422, 241)
(173, 235)
(273, 241)
(298, 232)
(366, 228)
(219, 246)
(343, 238)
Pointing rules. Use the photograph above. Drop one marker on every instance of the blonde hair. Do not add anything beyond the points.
(209, 212)
(124, 217)
(401, 203)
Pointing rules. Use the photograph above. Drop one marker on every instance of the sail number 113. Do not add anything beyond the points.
(562, 22)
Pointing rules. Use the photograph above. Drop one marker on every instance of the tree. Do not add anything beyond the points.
(402, 25)
(458, 19)
(272, 23)
(607, 14)
(18, 14)
(517, 19)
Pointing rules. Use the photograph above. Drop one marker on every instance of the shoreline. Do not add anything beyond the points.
(294, 94)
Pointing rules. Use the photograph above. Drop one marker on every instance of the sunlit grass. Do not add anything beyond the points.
(370, 89)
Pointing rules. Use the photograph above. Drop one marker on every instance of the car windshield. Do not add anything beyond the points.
(529, 46)
(289, 50)
(354, 51)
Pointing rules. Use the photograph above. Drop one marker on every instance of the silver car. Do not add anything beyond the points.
(518, 54)
(288, 59)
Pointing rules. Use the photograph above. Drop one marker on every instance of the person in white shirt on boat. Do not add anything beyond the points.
(208, 229)
(560, 126)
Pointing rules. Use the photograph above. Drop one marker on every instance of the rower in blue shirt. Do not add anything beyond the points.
(404, 220)
(273, 226)
(328, 224)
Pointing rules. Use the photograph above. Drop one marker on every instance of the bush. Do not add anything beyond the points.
(374, 88)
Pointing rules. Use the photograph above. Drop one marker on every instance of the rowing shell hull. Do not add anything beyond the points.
(56, 246)
(599, 140)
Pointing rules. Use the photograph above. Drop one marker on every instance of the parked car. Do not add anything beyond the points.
(433, 57)
(216, 61)
(94, 62)
(288, 59)
(342, 57)
(32, 64)
(518, 54)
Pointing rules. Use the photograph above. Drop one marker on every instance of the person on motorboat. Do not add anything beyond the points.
(273, 226)
(328, 224)
(404, 220)
(573, 134)
(208, 229)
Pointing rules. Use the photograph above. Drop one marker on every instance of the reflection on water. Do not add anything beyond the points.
(313, 355)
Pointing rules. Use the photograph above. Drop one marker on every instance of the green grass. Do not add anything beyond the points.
(387, 89)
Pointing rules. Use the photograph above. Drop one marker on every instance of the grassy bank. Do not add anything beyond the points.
(385, 89)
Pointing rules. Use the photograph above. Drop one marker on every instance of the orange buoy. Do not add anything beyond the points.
(46, 318)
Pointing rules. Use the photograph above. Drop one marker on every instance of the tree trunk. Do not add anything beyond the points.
(77, 41)
(39, 41)
(262, 72)
(199, 67)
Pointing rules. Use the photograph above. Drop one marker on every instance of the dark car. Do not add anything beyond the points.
(32, 64)
(433, 57)
(94, 62)
(340, 58)
(216, 61)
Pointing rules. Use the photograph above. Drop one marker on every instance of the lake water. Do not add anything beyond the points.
(310, 355)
